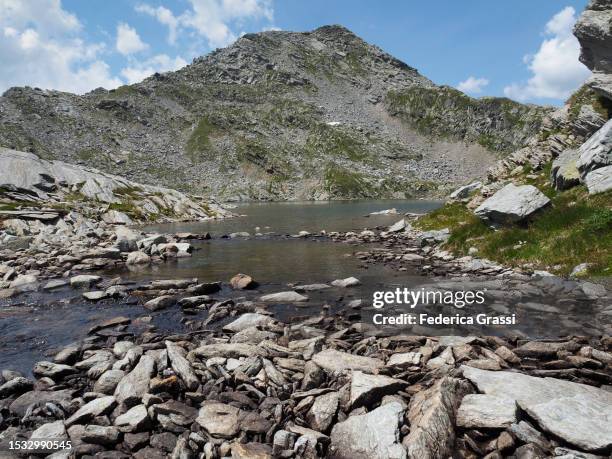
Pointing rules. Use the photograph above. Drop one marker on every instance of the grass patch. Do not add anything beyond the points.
(343, 183)
(576, 228)
(199, 140)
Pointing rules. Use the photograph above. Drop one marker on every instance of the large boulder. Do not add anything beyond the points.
(596, 152)
(512, 204)
(579, 414)
(599, 180)
(594, 32)
(564, 173)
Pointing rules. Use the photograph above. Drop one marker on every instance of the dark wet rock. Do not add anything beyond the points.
(68, 355)
(135, 441)
(164, 441)
(113, 322)
(526, 433)
(52, 370)
(16, 386)
(368, 389)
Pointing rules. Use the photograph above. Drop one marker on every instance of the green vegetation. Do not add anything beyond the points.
(586, 96)
(576, 228)
(335, 142)
(498, 124)
(340, 182)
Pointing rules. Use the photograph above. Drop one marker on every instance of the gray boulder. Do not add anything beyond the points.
(432, 418)
(374, 435)
(486, 411)
(464, 191)
(552, 402)
(135, 384)
(512, 204)
(564, 173)
(596, 152)
(599, 180)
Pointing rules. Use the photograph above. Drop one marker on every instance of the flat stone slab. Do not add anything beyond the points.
(486, 411)
(284, 297)
(580, 414)
(332, 360)
(374, 435)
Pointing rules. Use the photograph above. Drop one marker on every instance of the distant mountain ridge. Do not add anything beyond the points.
(277, 115)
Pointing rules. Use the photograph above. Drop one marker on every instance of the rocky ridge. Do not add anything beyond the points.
(278, 115)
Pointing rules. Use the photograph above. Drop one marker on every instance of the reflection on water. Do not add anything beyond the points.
(312, 216)
(36, 323)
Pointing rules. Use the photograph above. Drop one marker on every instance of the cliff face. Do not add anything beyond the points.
(594, 31)
(277, 115)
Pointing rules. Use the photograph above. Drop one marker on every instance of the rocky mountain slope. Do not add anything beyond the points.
(35, 189)
(277, 115)
(548, 205)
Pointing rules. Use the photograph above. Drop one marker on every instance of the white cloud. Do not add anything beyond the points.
(164, 16)
(214, 20)
(473, 85)
(40, 45)
(128, 40)
(557, 72)
(138, 71)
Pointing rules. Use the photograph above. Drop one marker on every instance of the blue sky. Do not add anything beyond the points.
(523, 49)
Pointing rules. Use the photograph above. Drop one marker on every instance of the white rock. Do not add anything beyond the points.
(282, 297)
(599, 180)
(348, 282)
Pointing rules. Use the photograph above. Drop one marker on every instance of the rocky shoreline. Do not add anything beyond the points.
(244, 384)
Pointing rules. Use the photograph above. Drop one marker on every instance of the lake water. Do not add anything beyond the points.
(36, 324)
